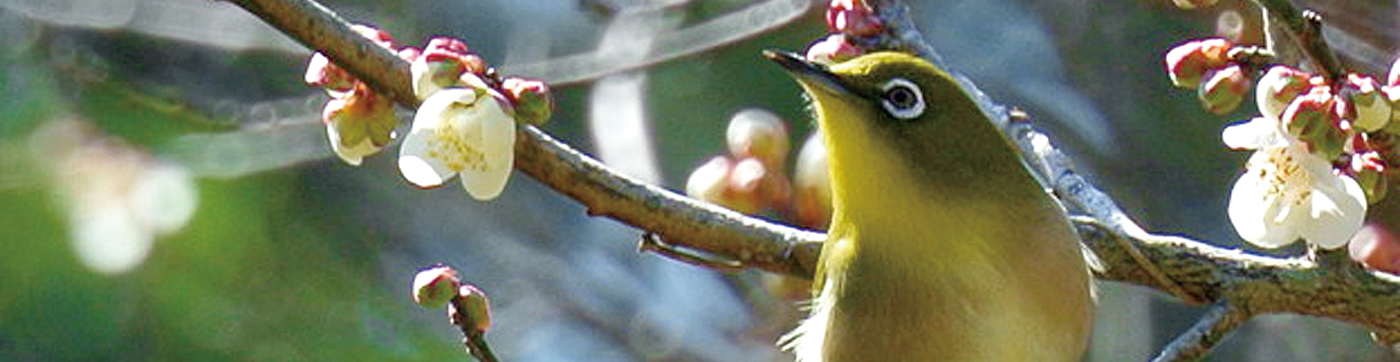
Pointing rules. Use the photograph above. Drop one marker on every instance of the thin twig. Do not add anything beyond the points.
(1305, 28)
(1196, 342)
(477, 346)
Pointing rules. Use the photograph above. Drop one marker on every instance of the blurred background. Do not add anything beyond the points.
(167, 191)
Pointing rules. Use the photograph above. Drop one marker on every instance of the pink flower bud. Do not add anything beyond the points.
(409, 54)
(444, 64)
(470, 309)
(435, 285)
(1224, 89)
(359, 124)
(834, 48)
(853, 17)
(1279, 85)
(445, 49)
(534, 102)
(1187, 62)
(1364, 103)
(1313, 118)
(320, 72)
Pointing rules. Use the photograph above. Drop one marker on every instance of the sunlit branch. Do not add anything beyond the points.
(1195, 271)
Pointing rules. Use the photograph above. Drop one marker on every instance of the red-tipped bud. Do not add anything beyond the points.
(1277, 88)
(1224, 89)
(1187, 62)
(442, 65)
(320, 72)
(445, 49)
(435, 285)
(410, 54)
(359, 123)
(834, 48)
(1313, 118)
(853, 17)
(1368, 167)
(534, 103)
(470, 309)
(1364, 103)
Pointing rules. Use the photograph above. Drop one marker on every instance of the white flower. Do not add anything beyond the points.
(353, 155)
(464, 131)
(1287, 192)
(359, 123)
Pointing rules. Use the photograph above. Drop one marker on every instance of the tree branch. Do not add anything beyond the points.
(1305, 29)
(1217, 323)
(679, 220)
(1192, 270)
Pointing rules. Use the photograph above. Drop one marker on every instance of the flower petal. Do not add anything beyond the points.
(417, 160)
(497, 131)
(1253, 134)
(1338, 209)
(351, 154)
(497, 143)
(1257, 216)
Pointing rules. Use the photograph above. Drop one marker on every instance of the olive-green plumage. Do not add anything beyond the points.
(942, 246)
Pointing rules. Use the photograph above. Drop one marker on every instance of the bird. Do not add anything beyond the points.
(942, 246)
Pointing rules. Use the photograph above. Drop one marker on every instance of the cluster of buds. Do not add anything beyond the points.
(1323, 147)
(466, 124)
(750, 178)
(468, 306)
(359, 121)
(1205, 65)
(847, 21)
(1347, 122)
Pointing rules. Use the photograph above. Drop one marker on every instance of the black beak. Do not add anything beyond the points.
(807, 72)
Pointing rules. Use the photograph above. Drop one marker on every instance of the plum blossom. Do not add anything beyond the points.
(467, 131)
(1288, 192)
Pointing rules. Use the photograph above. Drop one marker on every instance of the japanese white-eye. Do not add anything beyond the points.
(942, 246)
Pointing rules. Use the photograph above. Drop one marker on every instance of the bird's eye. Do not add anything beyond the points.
(902, 98)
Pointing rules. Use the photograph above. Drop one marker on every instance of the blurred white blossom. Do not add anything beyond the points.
(118, 199)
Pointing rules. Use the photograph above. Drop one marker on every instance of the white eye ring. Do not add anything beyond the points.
(902, 98)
